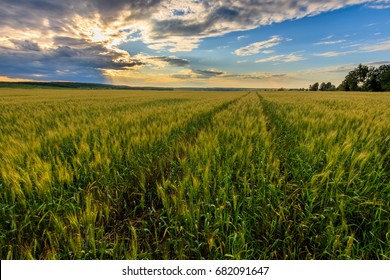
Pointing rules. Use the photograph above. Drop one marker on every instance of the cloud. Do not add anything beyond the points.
(325, 70)
(381, 4)
(175, 44)
(380, 46)
(80, 60)
(173, 60)
(333, 53)
(197, 74)
(271, 58)
(182, 76)
(73, 40)
(256, 76)
(293, 58)
(26, 45)
(242, 37)
(377, 63)
(160, 22)
(162, 61)
(284, 58)
(215, 18)
(327, 37)
(330, 42)
(10, 79)
(70, 41)
(258, 46)
(208, 73)
(81, 39)
(344, 69)
(375, 47)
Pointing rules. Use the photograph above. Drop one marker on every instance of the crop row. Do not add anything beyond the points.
(194, 175)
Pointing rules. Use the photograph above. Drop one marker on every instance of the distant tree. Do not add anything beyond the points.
(356, 79)
(314, 87)
(367, 79)
(341, 87)
(327, 86)
(372, 82)
(384, 77)
(330, 87)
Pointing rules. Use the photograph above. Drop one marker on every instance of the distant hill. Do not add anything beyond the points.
(59, 85)
(74, 85)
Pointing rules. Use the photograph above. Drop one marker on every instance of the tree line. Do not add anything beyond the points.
(362, 78)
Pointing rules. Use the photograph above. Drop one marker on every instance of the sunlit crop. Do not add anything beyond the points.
(112, 174)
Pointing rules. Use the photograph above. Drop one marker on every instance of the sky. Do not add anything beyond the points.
(198, 43)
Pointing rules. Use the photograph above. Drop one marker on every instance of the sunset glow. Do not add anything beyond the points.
(192, 43)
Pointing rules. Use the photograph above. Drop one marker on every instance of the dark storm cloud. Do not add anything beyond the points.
(225, 16)
(63, 62)
(216, 17)
(48, 66)
(71, 51)
(171, 60)
(208, 73)
(182, 27)
(43, 5)
(59, 14)
(30, 14)
(138, 9)
(26, 45)
(177, 27)
(199, 74)
(69, 41)
(226, 13)
(93, 56)
(54, 38)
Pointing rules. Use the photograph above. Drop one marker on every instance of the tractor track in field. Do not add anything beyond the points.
(276, 131)
(286, 140)
(159, 157)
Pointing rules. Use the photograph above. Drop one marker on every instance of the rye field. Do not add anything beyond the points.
(115, 174)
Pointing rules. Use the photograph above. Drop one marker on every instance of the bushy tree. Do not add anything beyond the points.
(327, 86)
(356, 79)
(314, 87)
(372, 82)
(367, 79)
(384, 77)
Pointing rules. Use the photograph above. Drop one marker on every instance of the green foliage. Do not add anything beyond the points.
(323, 87)
(383, 77)
(93, 174)
(314, 87)
(327, 87)
(365, 78)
